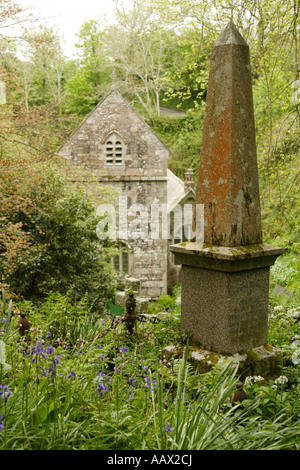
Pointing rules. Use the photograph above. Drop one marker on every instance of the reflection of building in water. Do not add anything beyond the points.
(123, 152)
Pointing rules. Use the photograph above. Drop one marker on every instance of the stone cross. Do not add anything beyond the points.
(225, 280)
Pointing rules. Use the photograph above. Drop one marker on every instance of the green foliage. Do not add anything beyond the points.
(62, 250)
(90, 73)
(183, 136)
(93, 387)
(80, 95)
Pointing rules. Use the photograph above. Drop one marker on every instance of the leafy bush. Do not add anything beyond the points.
(49, 240)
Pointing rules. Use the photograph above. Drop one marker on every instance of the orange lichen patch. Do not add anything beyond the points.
(228, 176)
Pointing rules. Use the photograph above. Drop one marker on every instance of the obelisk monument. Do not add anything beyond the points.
(225, 281)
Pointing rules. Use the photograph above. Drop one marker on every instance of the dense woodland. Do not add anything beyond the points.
(75, 379)
(157, 55)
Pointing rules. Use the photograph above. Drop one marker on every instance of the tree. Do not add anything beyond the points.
(48, 239)
(90, 77)
(44, 68)
(138, 45)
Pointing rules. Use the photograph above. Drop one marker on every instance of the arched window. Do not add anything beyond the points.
(114, 150)
(123, 260)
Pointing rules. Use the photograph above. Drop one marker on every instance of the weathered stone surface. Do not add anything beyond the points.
(120, 298)
(132, 284)
(225, 294)
(228, 177)
(142, 176)
(263, 361)
(225, 281)
(226, 312)
(142, 304)
(145, 155)
(228, 259)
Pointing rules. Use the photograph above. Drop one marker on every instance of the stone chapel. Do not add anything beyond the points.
(121, 151)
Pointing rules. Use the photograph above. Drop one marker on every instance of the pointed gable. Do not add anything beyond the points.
(114, 140)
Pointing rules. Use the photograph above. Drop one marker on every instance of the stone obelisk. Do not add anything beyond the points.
(225, 281)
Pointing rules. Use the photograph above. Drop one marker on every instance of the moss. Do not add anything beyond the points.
(252, 356)
(209, 360)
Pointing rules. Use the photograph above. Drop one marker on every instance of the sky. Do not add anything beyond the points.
(68, 15)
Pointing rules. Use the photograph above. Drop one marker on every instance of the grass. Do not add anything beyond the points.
(78, 381)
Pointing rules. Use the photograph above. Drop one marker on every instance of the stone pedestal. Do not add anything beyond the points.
(224, 296)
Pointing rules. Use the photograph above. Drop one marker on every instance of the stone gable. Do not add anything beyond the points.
(143, 153)
(120, 150)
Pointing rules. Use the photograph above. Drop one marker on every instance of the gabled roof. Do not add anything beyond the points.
(176, 191)
(120, 97)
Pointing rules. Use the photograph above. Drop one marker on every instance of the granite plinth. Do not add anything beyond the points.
(226, 258)
(225, 295)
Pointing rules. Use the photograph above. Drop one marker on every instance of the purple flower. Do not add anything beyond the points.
(148, 382)
(167, 428)
(101, 389)
(1, 424)
(72, 373)
(44, 373)
(49, 349)
(38, 350)
(4, 390)
(48, 334)
(123, 349)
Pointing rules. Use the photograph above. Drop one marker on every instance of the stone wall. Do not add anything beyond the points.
(144, 154)
(142, 176)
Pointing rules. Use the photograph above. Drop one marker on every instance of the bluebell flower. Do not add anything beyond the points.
(4, 390)
(56, 360)
(48, 334)
(123, 349)
(52, 369)
(148, 381)
(38, 350)
(167, 428)
(71, 374)
(1, 424)
(49, 349)
(131, 392)
(131, 380)
(101, 389)
(44, 373)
